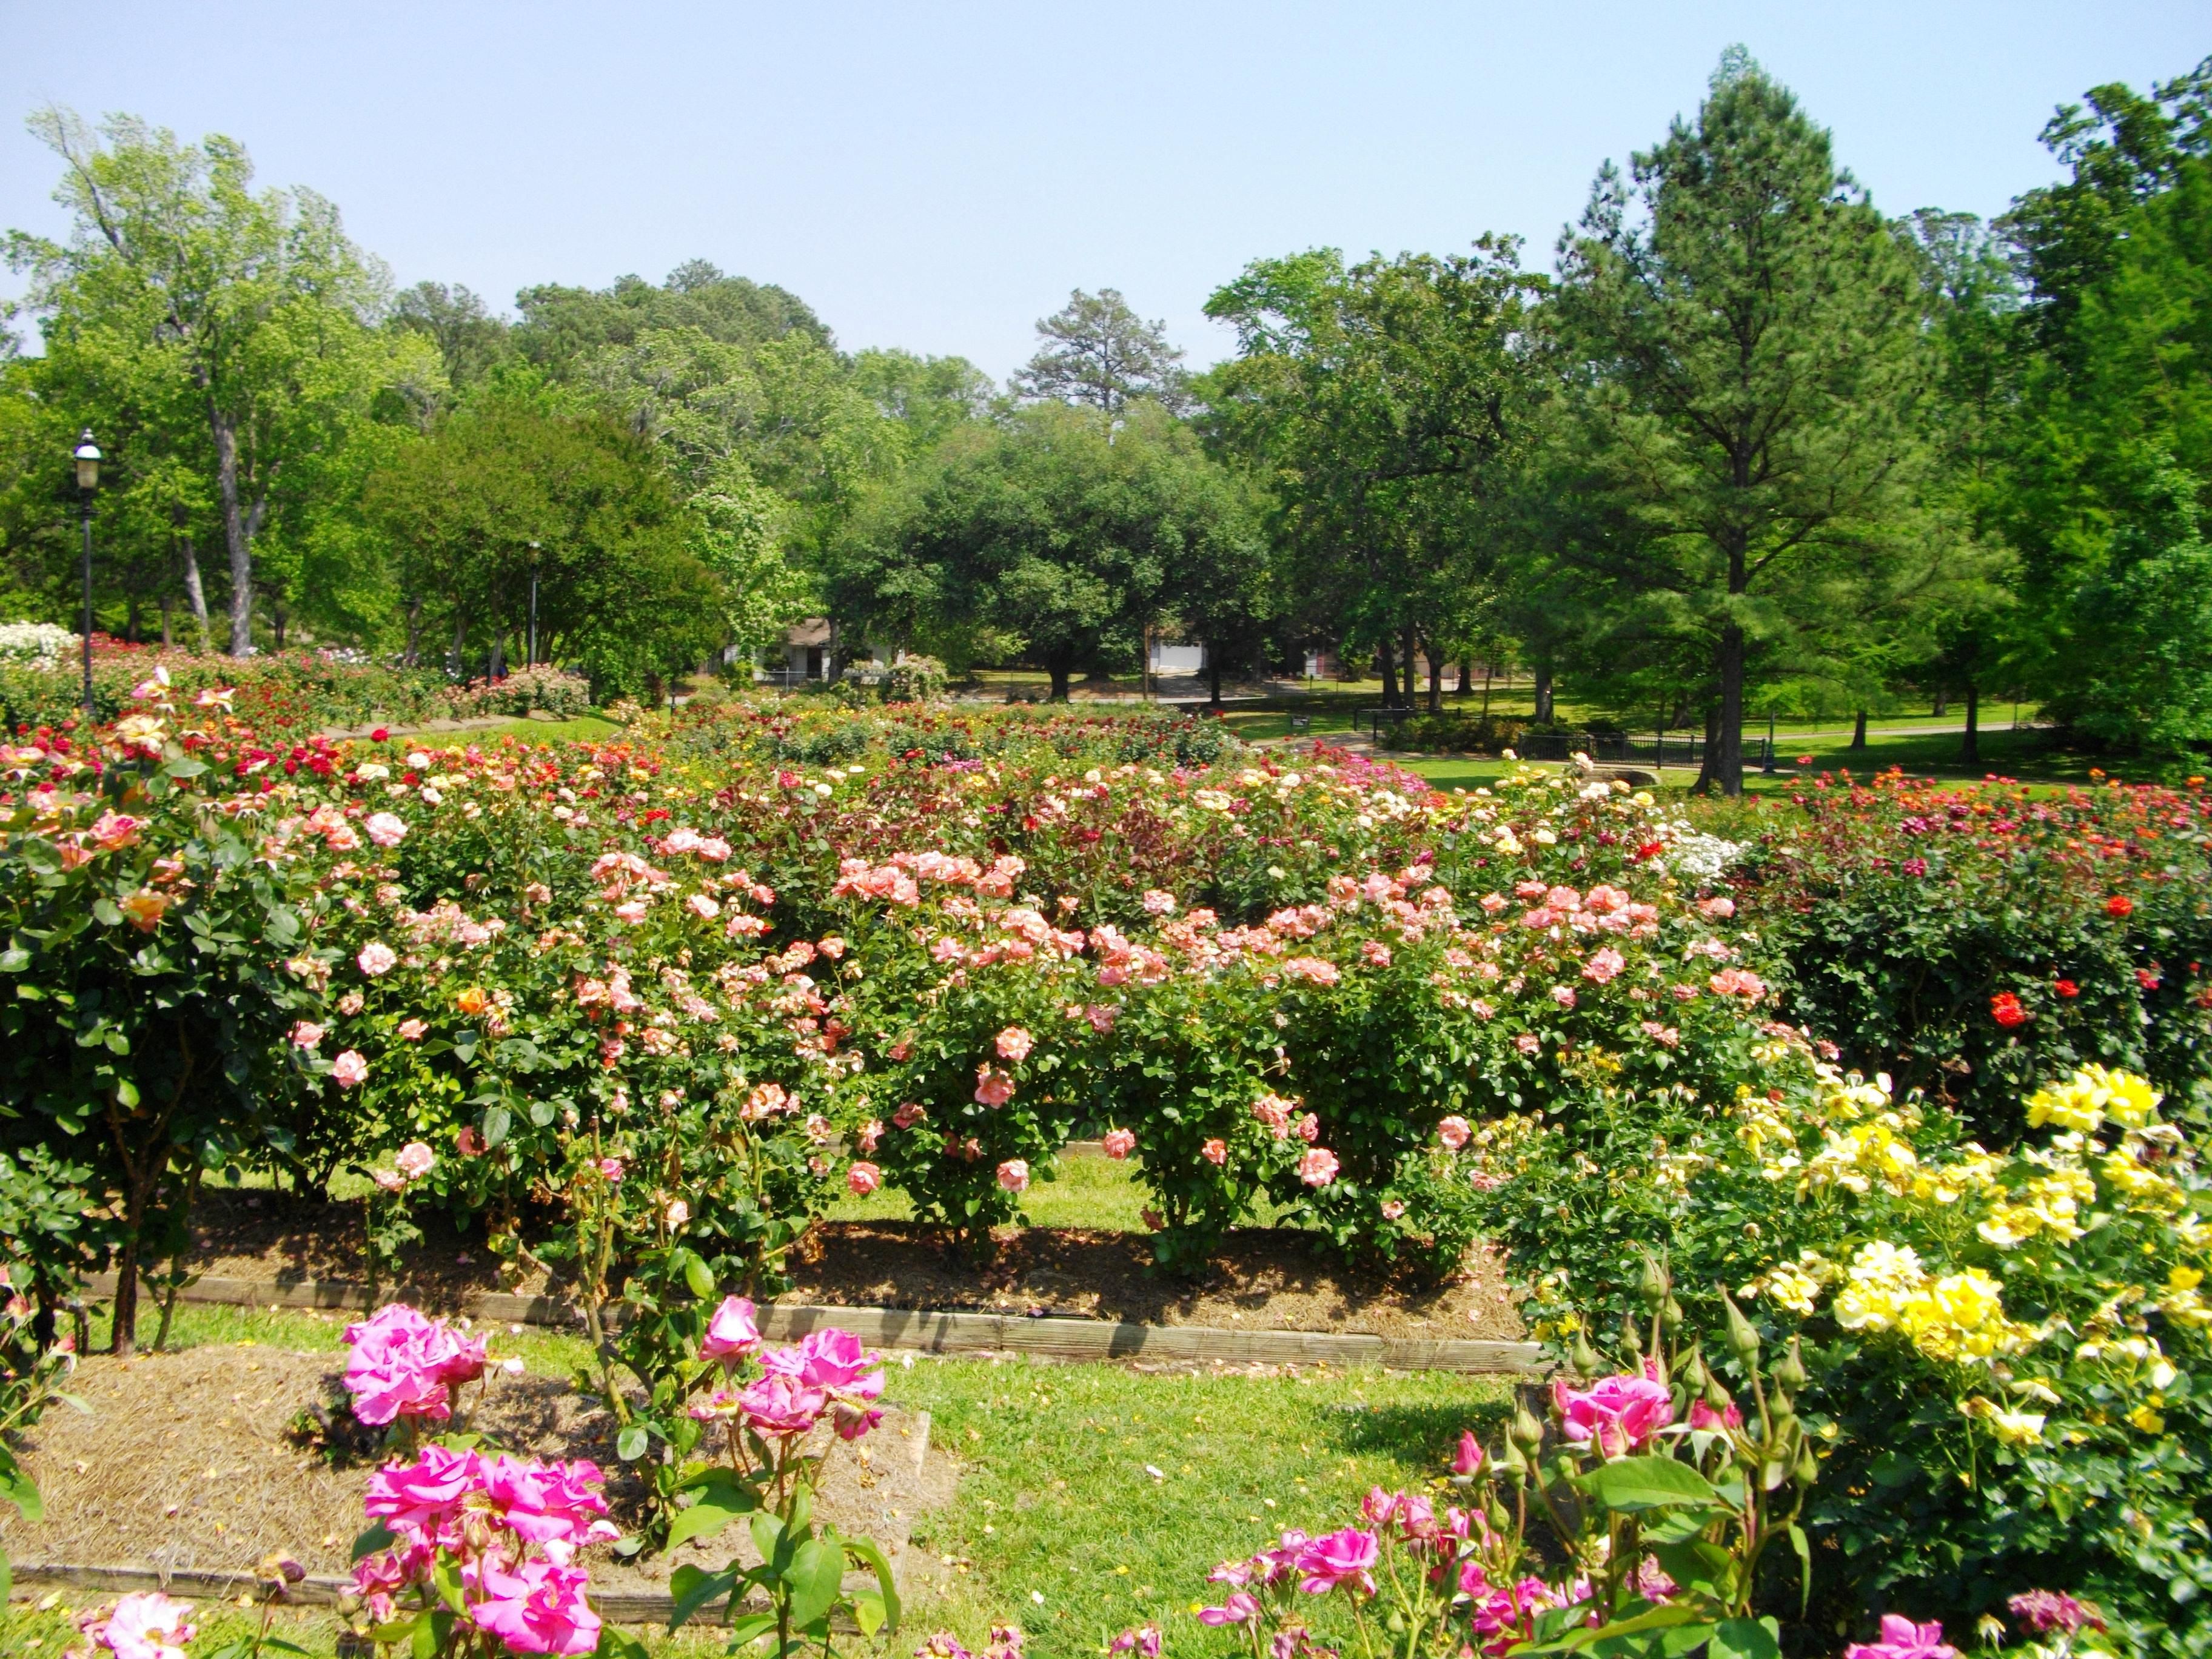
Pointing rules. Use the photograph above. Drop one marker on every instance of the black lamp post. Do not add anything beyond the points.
(87, 480)
(533, 605)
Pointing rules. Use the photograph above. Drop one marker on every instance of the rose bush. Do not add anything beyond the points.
(1972, 942)
(2005, 1350)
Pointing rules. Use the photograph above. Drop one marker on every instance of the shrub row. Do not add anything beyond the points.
(281, 694)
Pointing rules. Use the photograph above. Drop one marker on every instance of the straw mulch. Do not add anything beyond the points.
(190, 1461)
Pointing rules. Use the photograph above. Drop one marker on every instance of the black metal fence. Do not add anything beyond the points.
(1659, 749)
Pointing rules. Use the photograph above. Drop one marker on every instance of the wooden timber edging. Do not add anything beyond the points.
(1047, 1337)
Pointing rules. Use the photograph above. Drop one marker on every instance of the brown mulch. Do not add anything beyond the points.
(188, 1461)
(1263, 1279)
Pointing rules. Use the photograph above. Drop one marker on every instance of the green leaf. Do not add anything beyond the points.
(184, 767)
(15, 959)
(497, 1120)
(867, 1550)
(697, 1275)
(816, 1574)
(1633, 1484)
(769, 1539)
(868, 1611)
(7, 1579)
(18, 1488)
(720, 1503)
(613, 1645)
(747, 1630)
(378, 1537)
(1747, 1638)
(1803, 1545)
(694, 1588)
(446, 1579)
(630, 1444)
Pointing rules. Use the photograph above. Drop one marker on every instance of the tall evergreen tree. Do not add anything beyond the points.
(1742, 329)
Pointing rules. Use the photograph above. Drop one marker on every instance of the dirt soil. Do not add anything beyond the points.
(187, 1461)
(1263, 1279)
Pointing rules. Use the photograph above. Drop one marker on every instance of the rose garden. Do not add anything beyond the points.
(1834, 1155)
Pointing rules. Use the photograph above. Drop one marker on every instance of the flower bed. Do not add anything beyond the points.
(2004, 1350)
(637, 1010)
(1974, 942)
(280, 694)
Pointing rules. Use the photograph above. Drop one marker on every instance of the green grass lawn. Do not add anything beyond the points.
(1090, 1192)
(1092, 1496)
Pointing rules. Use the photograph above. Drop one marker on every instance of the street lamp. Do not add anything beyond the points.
(87, 480)
(533, 605)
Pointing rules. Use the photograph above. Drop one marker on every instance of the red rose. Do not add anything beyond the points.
(2005, 1009)
(2120, 905)
(379, 735)
(2067, 988)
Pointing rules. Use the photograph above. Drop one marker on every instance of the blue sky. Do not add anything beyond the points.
(938, 176)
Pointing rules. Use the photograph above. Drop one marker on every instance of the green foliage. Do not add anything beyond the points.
(1905, 912)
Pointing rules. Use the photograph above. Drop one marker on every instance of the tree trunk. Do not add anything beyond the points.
(1213, 676)
(1389, 674)
(454, 666)
(414, 633)
(240, 524)
(1406, 634)
(1942, 701)
(130, 615)
(1859, 732)
(1727, 742)
(1543, 694)
(1466, 676)
(168, 604)
(188, 561)
(276, 620)
(1970, 747)
(1059, 670)
(1488, 674)
(1436, 682)
(1705, 773)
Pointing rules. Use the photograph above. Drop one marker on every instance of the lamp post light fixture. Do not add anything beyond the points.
(87, 459)
(533, 605)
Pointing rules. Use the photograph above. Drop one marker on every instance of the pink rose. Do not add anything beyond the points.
(871, 1132)
(402, 1365)
(376, 959)
(1705, 1418)
(1719, 909)
(1376, 953)
(993, 1086)
(678, 1213)
(115, 830)
(421, 1502)
(1902, 1639)
(611, 1170)
(539, 1608)
(732, 1334)
(1345, 1556)
(703, 907)
(1528, 1042)
(349, 1069)
(1454, 1133)
(413, 1031)
(469, 1142)
(384, 829)
(1603, 965)
(1014, 1176)
(1619, 1413)
(782, 1407)
(305, 1034)
(1215, 1153)
(1563, 995)
(911, 1113)
(1118, 1143)
(1015, 1044)
(1393, 1208)
(1158, 903)
(147, 1624)
(1468, 1459)
(1318, 1167)
(414, 1160)
(863, 1179)
(1240, 1608)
